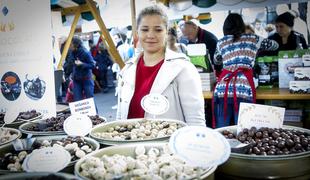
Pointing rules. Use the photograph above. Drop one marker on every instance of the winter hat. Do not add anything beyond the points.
(286, 18)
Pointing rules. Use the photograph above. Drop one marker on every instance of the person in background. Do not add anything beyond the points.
(270, 29)
(92, 47)
(159, 70)
(285, 36)
(103, 63)
(68, 65)
(83, 84)
(249, 29)
(196, 35)
(236, 51)
(172, 42)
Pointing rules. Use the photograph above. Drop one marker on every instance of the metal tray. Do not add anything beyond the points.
(104, 127)
(9, 148)
(35, 175)
(20, 121)
(23, 128)
(291, 166)
(129, 150)
(19, 134)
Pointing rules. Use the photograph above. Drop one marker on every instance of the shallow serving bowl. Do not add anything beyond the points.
(129, 150)
(12, 131)
(108, 141)
(94, 145)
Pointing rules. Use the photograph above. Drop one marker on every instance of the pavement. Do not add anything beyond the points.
(105, 102)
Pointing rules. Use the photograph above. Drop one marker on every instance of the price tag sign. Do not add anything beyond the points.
(155, 104)
(10, 115)
(306, 59)
(258, 115)
(78, 125)
(85, 107)
(200, 146)
(48, 159)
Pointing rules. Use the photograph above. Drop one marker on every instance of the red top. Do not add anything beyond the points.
(145, 76)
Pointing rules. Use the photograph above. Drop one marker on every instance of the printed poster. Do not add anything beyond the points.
(26, 61)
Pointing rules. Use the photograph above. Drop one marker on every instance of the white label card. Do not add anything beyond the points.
(48, 159)
(200, 146)
(78, 125)
(155, 104)
(85, 107)
(258, 115)
(10, 115)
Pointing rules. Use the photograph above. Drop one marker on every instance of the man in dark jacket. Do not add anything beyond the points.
(103, 62)
(196, 35)
(83, 84)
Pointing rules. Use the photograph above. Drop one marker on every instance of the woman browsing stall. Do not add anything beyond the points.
(162, 71)
(236, 51)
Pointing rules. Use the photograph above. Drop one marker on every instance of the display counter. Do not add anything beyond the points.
(270, 94)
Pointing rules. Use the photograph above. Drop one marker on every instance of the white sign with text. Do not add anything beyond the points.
(155, 104)
(26, 61)
(84, 107)
(78, 125)
(48, 159)
(258, 115)
(200, 146)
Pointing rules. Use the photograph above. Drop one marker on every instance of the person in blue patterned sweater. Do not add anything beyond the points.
(237, 52)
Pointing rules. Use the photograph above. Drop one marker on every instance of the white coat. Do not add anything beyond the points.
(177, 80)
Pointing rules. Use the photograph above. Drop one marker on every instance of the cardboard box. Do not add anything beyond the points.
(302, 73)
(207, 81)
(293, 112)
(306, 59)
(199, 56)
(299, 87)
(286, 70)
(296, 124)
(292, 118)
(278, 103)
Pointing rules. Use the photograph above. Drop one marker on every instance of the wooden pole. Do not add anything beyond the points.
(116, 57)
(133, 17)
(69, 39)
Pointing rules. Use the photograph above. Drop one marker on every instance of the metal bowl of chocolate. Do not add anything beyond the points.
(275, 153)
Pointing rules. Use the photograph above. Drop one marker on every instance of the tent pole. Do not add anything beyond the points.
(116, 57)
(69, 39)
(133, 16)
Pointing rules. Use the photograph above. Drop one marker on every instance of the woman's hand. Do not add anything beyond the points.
(78, 62)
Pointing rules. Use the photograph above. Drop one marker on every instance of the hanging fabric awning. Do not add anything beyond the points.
(69, 6)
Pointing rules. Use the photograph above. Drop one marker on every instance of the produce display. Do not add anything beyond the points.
(8, 135)
(272, 141)
(136, 130)
(152, 163)
(78, 147)
(27, 115)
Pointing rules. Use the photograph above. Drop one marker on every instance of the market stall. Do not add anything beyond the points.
(75, 142)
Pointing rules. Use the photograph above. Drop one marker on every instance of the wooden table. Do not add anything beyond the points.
(269, 94)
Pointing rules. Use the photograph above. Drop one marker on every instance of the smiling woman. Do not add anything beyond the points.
(161, 71)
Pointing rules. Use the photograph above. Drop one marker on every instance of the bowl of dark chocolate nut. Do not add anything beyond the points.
(53, 125)
(23, 117)
(271, 153)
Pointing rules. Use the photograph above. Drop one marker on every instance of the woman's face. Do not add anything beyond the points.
(283, 30)
(152, 33)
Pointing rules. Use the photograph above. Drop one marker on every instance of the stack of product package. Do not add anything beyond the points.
(200, 58)
(294, 73)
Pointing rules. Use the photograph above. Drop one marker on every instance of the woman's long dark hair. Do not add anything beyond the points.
(234, 25)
